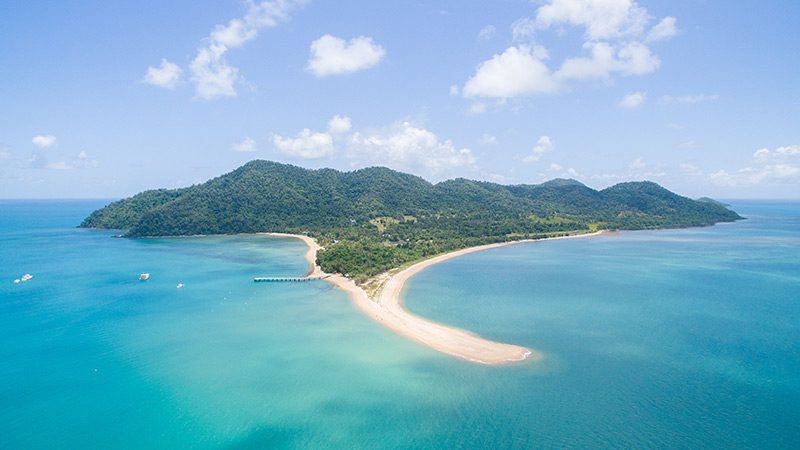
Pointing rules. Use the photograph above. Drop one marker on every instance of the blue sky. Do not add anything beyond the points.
(105, 99)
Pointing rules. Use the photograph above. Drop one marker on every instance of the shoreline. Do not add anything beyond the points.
(386, 308)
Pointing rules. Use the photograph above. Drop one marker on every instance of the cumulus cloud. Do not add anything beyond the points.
(614, 44)
(604, 59)
(777, 166)
(82, 154)
(486, 32)
(764, 154)
(245, 146)
(211, 74)
(44, 141)
(409, 147)
(339, 124)
(662, 30)
(402, 145)
(633, 100)
(517, 71)
(602, 19)
(768, 174)
(331, 55)
(306, 144)
(543, 145)
(165, 75)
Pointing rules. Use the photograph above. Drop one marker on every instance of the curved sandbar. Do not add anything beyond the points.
(387, 309)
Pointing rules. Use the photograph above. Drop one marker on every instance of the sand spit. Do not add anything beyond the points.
(386, 308)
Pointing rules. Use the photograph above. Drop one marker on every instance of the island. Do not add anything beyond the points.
(370, 230)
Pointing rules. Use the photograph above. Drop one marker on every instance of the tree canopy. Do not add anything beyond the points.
(371, 220)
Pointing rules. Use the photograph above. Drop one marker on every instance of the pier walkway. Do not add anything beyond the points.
(287, 279)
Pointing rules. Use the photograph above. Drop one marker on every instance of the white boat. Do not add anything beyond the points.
(17, 281)
(179, 286)
(26, 277)
(144, 277)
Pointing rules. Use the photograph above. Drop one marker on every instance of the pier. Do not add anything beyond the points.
(287, 279)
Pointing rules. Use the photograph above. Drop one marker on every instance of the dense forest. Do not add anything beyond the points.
(375, 219)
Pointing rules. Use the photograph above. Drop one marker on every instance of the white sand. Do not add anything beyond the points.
(387, 309)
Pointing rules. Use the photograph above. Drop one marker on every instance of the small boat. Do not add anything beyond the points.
(179, 286)
(17, 281)
(26, 277)
(144, 277)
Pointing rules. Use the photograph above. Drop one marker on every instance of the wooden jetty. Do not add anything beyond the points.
(287, 279)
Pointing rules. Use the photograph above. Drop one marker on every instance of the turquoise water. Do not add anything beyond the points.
(671, 339)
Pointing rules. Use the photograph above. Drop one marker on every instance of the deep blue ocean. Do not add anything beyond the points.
(654, 339)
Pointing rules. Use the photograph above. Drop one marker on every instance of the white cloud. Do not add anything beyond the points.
(523, 28)
(331, 55)
(210, 72)
(82, 154)
(402, 146)
(477, 108)
(632, 58)
(488, 139)
(761, 153)
(245, 146)
(44, 141)
(486, 32)
(614, 32)
(543, 145)
(517, 71)
(768, 174)
(788, 150)
(662, 30)
(771, 167)
(688, 99)
(764, 154)
(306, 144)
(633, 100)
(453, 90)
(339, 124)
(556, 167)
(603, 19)
(165, 75)
(5, 155)
(409, 147)
(212, 75)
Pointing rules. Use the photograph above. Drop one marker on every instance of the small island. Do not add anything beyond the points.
(374, 228)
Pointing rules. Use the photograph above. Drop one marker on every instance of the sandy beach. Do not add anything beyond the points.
(387, 309)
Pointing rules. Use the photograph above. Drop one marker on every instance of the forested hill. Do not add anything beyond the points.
(374, 219)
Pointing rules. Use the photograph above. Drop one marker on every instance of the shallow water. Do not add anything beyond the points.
(681, 338)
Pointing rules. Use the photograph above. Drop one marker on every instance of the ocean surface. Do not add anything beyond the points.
(654, 339)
